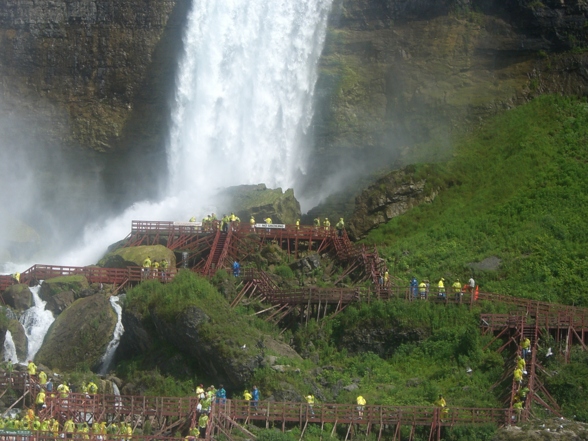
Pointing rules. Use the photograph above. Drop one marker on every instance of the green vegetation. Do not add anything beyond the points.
(56, 285)
(516, 190)
(188, 290)
(430, 348)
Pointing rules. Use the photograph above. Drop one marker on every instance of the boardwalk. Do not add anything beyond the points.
(179, 413)
(210, 249)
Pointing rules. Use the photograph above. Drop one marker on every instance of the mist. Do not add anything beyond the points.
(45, 188)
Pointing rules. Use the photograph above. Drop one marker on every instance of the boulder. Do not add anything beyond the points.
(260, 202)
(388, 197)
(80, 334)
(307, 264)
(134, 256)
(227, 361)
(54, 286)
(18, 297)
(60, 302)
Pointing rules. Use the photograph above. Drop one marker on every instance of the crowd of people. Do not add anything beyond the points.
(34, 419)
(326, 225)
(520, 377)
(152, 269)
(423, 291)
(206, 397)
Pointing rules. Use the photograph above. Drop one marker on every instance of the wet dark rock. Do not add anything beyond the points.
(399, 79)
(307, 264)
(116, 261)
(273, 254)
(187, 333)
(192, 333)
(60, 302)
(136, 339)
(285, 392)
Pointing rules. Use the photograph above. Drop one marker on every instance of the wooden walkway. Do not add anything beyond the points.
(176, 413)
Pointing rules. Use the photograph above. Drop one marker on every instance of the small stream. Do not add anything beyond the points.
(113, 345)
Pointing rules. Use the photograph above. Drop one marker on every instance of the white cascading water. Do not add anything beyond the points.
(36, 321)
(9, 348)
(243, 105)
(244, 96)
(117, 334)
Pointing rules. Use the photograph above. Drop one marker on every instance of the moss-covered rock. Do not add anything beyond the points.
(18, 297)
(60, 302)
(261, 202)
(226, 359)
(51, 287)
(79, 335)
(197, 320)
(136, 255)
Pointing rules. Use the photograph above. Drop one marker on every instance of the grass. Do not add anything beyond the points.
(516, 189)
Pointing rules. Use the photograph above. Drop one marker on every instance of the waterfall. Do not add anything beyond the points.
(36, 321)
(242, 111)
(117, 334)
(9, 348)
(244, 95)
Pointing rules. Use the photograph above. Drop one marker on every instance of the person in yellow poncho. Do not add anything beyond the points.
(442, 404)
(360, 405)
(32, 368)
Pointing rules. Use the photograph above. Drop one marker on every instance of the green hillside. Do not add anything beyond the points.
(516, 190)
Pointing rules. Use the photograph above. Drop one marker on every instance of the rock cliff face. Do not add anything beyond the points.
(400, 78)
(92, 75)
